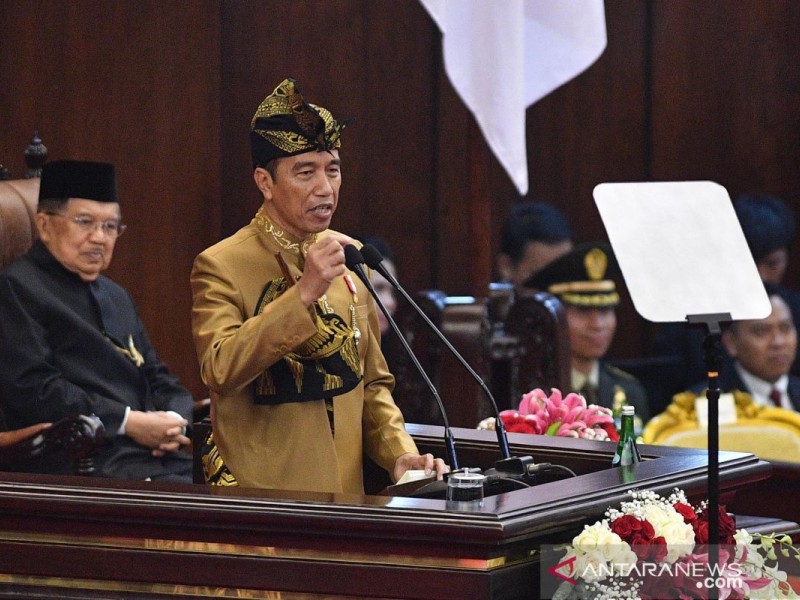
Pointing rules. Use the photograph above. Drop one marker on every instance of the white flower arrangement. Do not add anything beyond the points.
(655, 547)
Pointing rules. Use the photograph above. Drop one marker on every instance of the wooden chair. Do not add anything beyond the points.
(514, 341)
(538, 323)
(465, 322)
(76, 436)
(770, 433)
(18, 199)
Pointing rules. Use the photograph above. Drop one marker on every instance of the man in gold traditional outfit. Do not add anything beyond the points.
(287, 338)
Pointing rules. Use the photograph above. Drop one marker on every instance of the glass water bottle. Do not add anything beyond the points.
(627, 453)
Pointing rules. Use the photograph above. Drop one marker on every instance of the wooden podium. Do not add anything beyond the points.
(71, 537)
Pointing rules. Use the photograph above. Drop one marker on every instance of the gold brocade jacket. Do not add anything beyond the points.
(286, 446)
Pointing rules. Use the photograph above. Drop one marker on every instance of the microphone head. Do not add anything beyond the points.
(352, 257)
(372, 256)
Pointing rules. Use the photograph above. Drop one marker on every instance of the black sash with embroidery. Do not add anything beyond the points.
(325, 365)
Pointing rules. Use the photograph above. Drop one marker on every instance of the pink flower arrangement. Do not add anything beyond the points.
(541, 414)
(654, 547)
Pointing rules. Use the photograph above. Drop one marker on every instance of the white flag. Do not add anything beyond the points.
(503, 55)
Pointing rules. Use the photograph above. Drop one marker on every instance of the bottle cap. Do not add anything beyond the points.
(628, 410)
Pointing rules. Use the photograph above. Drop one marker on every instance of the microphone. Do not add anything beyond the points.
(508, 464)
(355, 262)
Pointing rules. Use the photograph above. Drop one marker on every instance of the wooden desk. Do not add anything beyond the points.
(774, 497)
(83, 538)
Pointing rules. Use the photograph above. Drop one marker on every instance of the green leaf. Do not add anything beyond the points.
(553, 429)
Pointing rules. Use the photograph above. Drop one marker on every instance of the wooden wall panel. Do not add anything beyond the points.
(396, 191)
(357, 59)
(452, 207)
(726, 97)
(137, 85)
(166, 90)
(319, 44)
(593, 130)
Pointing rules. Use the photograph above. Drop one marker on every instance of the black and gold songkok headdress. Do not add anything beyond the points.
(285, 125)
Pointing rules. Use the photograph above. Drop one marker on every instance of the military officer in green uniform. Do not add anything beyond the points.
(581, 280)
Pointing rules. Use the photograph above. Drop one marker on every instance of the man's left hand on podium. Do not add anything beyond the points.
(426, 462)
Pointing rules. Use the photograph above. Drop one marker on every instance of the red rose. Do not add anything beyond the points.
(653, 550)
(686, 511)
(658, 549)
(640, 546)
(637, 533)
(625, 526)
(647, 530)
(727, 528)
(700, 531)
(516, 423)
(613, 435)
(519, 427)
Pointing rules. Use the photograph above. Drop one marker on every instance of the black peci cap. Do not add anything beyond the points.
(78, 179)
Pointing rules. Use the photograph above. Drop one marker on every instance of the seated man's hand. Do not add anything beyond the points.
(7, 438)
(160, 431)
(425, 462)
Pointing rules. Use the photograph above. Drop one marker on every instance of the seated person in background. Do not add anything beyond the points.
(579, 280)
(533, 235)
(286, 337)
(71, 341)
(768, 225)
(763, 351)
(383, 288)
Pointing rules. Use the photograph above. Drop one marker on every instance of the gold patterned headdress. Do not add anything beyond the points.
(581, 277)
(285, 124)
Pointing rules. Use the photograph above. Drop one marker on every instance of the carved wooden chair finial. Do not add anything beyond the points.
(35, 157)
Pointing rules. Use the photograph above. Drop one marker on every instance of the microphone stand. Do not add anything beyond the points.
(508, 464)
(354, 262)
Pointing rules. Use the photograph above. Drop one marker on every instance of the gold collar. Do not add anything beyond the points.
(284, 240)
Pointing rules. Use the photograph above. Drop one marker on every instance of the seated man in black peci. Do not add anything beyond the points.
(71, 341)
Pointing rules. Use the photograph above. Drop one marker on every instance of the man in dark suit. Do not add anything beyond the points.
(72, 342)
(769, 227)
(581, 281)
(534, 234)
(768, 224)
(763, 351)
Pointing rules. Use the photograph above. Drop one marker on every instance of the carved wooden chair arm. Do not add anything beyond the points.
(77, 436)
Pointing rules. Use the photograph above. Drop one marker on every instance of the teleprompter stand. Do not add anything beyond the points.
(684, 258)
(712, 357)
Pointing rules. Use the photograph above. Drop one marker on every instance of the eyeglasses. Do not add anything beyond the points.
(112, 228)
